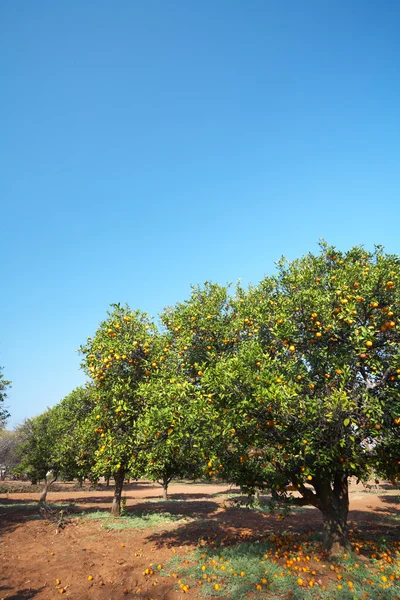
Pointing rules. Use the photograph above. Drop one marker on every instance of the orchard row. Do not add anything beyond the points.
(292, 385)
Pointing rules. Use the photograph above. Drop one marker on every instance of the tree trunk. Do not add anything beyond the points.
(107, 481)
(80, 481)
(44, 493)
(48, 480)
(334, 505)
(165, 491)
(119, 482)
(165, 483)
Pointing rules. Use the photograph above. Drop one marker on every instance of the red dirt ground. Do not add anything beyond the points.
(33, 554)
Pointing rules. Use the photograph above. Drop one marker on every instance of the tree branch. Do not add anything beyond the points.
(300, 501)
(372, 385)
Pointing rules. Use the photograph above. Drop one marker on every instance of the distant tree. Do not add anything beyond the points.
(51, 443)
(4, 385)
(38, 455)
(69, 418)
(9, 454)
(171, 431)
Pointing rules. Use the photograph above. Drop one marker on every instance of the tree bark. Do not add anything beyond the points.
(119, 482)
(165, 491)
(334, 505)
(48, 480)
(165, 483)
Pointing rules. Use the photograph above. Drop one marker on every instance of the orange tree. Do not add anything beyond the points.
(303, 374)
(38, 438)
(49, 444)
(170, 432)
(118, 359)
(201, 330)
(69, 416)
(201, 333)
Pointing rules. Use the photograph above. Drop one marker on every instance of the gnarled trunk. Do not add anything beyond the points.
(332, 499)
(50, 478)
(119, 482)
(334, 505)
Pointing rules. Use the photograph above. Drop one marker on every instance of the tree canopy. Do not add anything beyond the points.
(303, 373)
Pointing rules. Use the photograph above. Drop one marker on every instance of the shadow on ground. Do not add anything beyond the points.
(236, 525)
(22, 594)
(390, 499)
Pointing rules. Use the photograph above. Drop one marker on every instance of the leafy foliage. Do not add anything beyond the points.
(118, 359)
(51, 441)
(69, 417)
(4, 385)
(9, 455)
(170, 431)
(39, 436)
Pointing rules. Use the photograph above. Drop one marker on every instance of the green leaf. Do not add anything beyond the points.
(346, 422)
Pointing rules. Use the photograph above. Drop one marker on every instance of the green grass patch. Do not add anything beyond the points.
(143, 520)
(18, 505)
(35, 504)
(162, 501)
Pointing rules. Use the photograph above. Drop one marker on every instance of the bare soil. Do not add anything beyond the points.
(41, 558)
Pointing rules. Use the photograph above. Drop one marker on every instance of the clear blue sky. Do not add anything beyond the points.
(148, 145)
